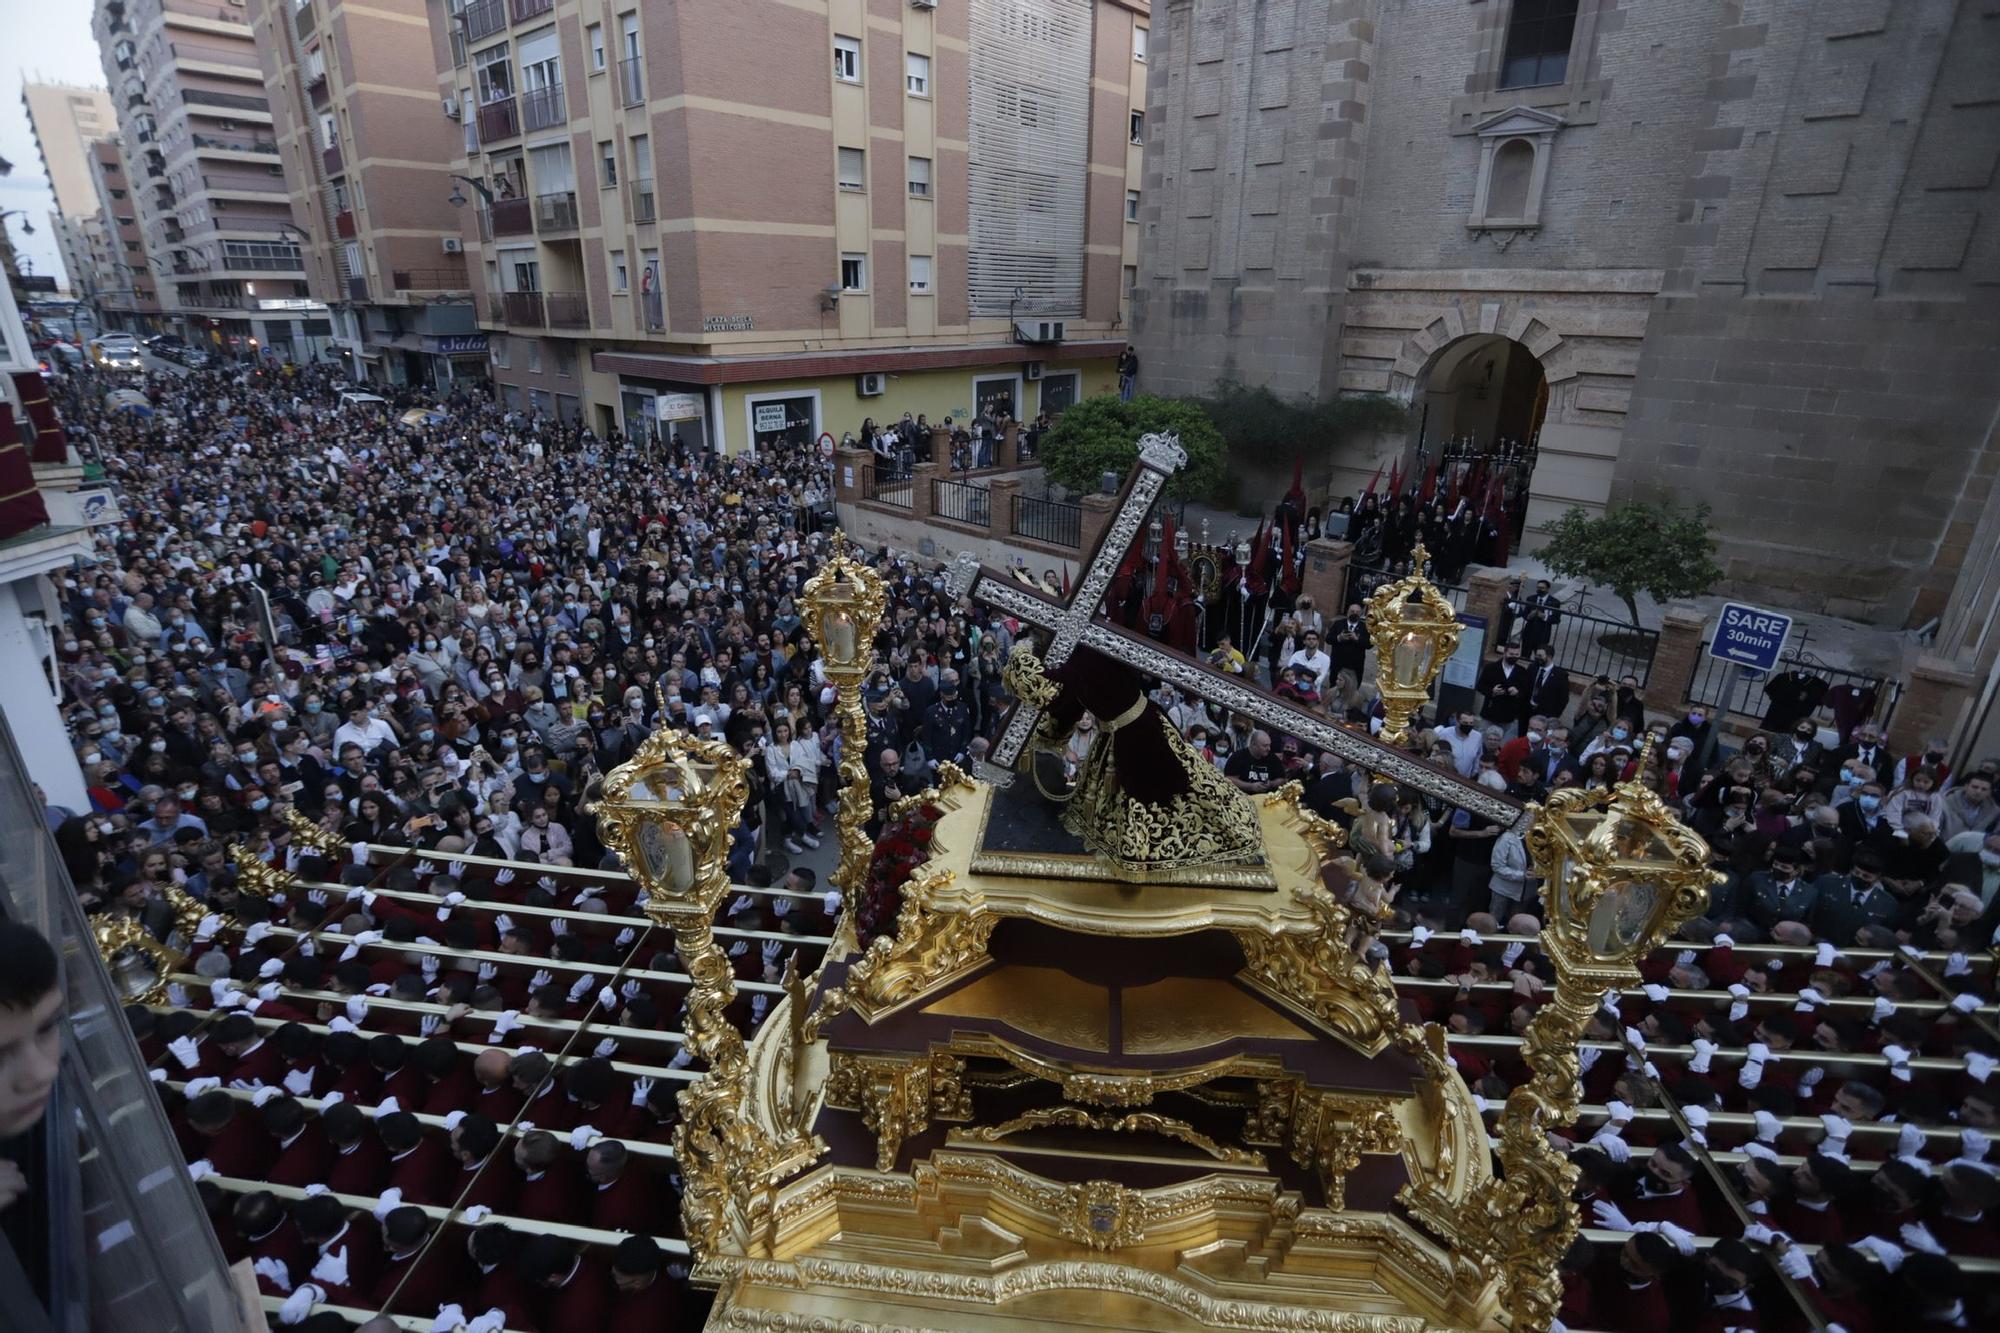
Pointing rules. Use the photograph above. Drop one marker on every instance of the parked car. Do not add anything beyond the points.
(116, 351)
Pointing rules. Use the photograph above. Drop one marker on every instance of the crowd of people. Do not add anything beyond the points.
(479, 614)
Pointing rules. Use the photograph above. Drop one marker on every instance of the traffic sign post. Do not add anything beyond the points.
(1746, 638)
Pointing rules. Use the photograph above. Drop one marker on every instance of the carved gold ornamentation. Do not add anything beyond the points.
(1104, 1215)
(140, 965)
(1139, 1122)
(322, 840)
(1415, 630)
(667, 812)
(1330, 1132)
(188, 911)
(892, 1093)
(257, 877)
(927, 948)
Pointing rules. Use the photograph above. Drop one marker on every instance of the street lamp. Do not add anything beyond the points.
(843, 603)
(1415, 631)
(1620, 874)
(27, 227)
(457, 197)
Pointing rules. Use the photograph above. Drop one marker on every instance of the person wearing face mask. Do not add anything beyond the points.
(1861, 821)
(1467, 744)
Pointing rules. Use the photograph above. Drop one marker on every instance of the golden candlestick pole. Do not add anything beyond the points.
(1620, 873)
(843, 605)
(1415, 631)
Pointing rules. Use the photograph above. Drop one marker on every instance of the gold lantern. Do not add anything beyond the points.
(1620, 872)
(843, 605)
(140, 966)
(1415, 631)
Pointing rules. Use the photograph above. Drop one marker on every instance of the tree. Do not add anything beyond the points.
(1101, 435)
(1658, 549)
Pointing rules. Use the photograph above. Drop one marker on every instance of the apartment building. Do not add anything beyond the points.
(213, 211)
(65, 122)
(771, 219)
(356, 119)
(125, 296)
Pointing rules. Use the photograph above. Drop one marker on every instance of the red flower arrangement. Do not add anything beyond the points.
(904, 845)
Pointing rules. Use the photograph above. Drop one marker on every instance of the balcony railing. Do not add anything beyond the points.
(555, 212)
(543, 108)
(653, 309)
(523, 10)
(343, 223)
(513, 217)
(357, 289)
(483, 18)
(234, 101)
(631, 82)
(567, 310)
(265, 263)
(642, 201)
(497, 120)
(331, 159)
(429, 279)
(226, 145)
(523, 308)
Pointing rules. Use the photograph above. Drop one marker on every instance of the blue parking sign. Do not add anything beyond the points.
(1749, 637)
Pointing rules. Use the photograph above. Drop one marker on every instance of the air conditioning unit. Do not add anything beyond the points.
(454, 245)
(1038, 330)
(923, 4)
(450, 108)
(871, 384)
(1035, 369)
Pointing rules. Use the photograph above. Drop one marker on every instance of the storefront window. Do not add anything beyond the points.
(779, 420)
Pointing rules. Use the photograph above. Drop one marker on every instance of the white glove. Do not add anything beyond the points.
(307, 948)
(300, 1304)
(1606, 1141)
(1910, 1142)
(255, 935)
(1610, 1216)
(1758, 1052)
(631, 990)
(1809, 1000)
(493, 1321)
(607, 998)
(205, 932)
(1470, 936)
(361, 850)
(1899, 1062)
(197, 1086)
(507, 1022)
(274, 1269)
(558, 926)
(266, 993)
(546, 882)
(1884, 1008)
(357, 1009)
(177, 995)
(1910, 951)
(453, 1120)
(1957, 965)
(605, 1049)
(477, 1213)
(230, 999)
(625, 937)
(378, 990)
(449, 1317)
(332, 1268)
(1740, 1002)
(1636, 1040)
(1973, 1145)
(1750, 1075)
(1980, 1066)
(642, 1088)
(201, 1170)
(392, 1199)
(339, 1023)
(1825, 955)
(265, 1094)
(1682, 1238)
(387, 1106)
(157, 1075)
(1964, 1002)
(1419, 935)
(425, 869)
(1655, 992)
(1704, 1052)
(503, 923)
(1838, 1129)
(331, 1100)
(1697, 1118)
(350, 953)
(1619, 1113)
(318, 897)
(488, 971)
(1759, 1234)
(1512, 953)
(299, 1082)
(504, 877)
(429, 1024)
(1794, 1264)
(580, 988)
(185, 1051)
(369, 937)
(1885, 1252)
(314, 1191)
(1811, 1078)
(1724, 942)
(541, 978)
(1768, 1127)
(580, 1137)
(1918, 1237)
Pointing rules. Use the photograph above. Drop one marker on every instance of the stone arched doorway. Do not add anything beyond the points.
(1477, 411)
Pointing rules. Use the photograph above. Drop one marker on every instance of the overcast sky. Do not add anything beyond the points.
(54, 46)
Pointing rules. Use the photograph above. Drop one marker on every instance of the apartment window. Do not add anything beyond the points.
(920, 274)
(854, 273)
(495, 77)
(1139, 45)
(497, 349)
(853, 169)
(596, 34)
(607, 157)
(1138, 127)
(920, 177)
(621, 276)
(329, 131)
(847, 59)
(1538, 40)
(1131, 280)
(565, 359)
(917, 74)
(1131, 205)
(534, 356)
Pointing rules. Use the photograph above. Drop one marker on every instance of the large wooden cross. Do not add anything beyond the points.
(1079, 622)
